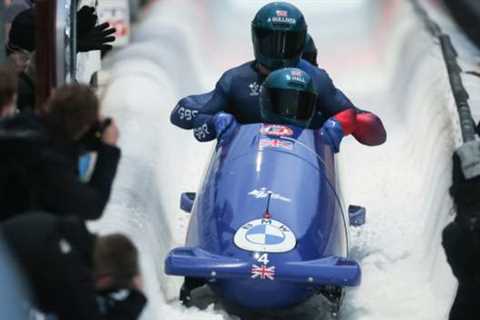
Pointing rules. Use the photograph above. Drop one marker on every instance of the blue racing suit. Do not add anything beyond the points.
(237, 93)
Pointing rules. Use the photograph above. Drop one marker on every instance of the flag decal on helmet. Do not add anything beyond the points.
(296, 73)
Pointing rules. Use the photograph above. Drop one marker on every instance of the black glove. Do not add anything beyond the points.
(96, 39)
(92, 140)
(86, 20)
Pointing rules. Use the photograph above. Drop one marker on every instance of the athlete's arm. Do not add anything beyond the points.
(196, 112)
(333, 104)
(366, 127)
(189, 108)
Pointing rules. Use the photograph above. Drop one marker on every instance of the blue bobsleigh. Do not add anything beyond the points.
(267, 228)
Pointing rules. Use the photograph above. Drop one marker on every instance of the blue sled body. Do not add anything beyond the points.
(267, 228)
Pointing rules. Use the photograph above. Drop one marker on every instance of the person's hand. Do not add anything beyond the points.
(86, 20)
(224, 123)
(137, 283)
(332, 133)
(110, 134)
(97, 38)
(217, 126)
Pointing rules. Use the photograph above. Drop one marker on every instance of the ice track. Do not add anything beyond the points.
(379, 54)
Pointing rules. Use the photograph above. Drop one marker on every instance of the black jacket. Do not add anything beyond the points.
(26, 93)
(462, 248)
(39, 171)
(56, 255)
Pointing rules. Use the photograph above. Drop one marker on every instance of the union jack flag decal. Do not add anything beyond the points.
(275, 143)
(296, 73)
(263, 272)
(282, 13)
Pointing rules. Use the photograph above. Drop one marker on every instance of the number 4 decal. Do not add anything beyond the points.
(263, 258)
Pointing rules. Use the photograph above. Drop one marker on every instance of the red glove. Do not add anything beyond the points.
(365, 126)
(370, 130)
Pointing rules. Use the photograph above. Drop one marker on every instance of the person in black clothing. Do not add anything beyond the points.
(462, 248)
(461, 241)
(21, 46)
(19, 50)
(74, 274)
(39, 157)
(8, 91)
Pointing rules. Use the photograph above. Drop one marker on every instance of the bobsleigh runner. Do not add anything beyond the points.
(267, 229)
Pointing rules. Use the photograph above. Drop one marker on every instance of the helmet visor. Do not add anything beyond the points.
(292, 104)
(276, 44)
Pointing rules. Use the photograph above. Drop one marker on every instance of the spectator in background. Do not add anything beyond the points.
(39, 157)
(90, 36)
(21, 46)
(21, 40)
(461, 240)
(8, 91)
(12, 10)
(19, 49)
(74, 274)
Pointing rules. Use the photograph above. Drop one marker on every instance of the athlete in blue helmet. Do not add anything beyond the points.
(279, 33)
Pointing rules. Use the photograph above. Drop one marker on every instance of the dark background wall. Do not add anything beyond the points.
(467, 15)
(2, 32)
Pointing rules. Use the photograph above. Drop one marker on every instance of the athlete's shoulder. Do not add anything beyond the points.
(241, 70)
(236, 75)
(313, 71)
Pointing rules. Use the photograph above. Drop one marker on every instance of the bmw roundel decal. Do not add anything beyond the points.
(265, 235)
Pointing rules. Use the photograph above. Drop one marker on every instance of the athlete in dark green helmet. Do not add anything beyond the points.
(288, 97)
(279, 33)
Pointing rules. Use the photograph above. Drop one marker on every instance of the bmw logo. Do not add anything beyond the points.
(265, 235)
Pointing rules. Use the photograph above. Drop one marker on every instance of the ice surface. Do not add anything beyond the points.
(379, 54)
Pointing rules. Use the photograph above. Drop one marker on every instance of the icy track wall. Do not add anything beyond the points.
(404, 184)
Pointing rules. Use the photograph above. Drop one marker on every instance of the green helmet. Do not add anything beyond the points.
(310, 51)
(278, 34)
(288, 96)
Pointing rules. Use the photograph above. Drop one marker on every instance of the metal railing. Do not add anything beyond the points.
(460, 94)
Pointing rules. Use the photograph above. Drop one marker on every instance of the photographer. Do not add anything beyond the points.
(461, 240)
(39, 157)
(74, 274)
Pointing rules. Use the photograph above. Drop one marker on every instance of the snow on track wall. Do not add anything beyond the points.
(403, 184)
